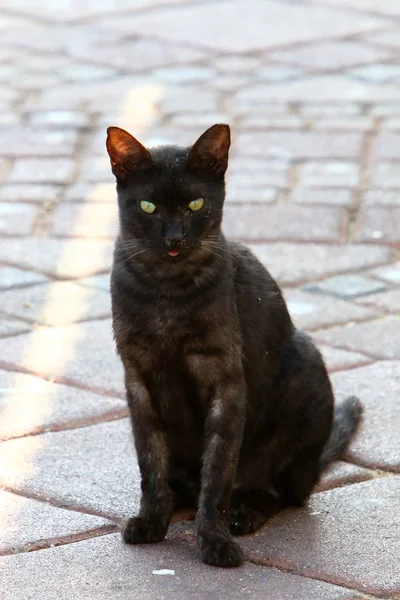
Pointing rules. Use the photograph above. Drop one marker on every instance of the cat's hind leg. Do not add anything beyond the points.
(250, 509)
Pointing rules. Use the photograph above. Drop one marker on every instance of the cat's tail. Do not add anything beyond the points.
(345, 423)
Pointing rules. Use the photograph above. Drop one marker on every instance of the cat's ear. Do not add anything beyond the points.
(211, 150)
(126, 153)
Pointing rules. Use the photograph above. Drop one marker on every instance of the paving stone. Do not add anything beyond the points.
(326, 56)
(83, 354)
(35, 142)
(251, 195)
(342, 124)
(16, 219)
(271, 122)
(178, 99)
(59, 118)
(296, 263)
(386, 175)
(56, 303)
(385, 109)
(328, 88)
(95, 220)
(337, 359)
(390, 273)
(10, 326)
(11, 277)
(390, 7)
(346, 286)
(336, 197)
(385, 38)
(381, 197)
(86, 73)
(391, 124)
(389, 300)
(249, 179)
(201, 23)
(377, 73)
(311, 312)
(342, 473)
(299, 145)
(91, 192)
(279, 222)
(49, 170)
(81, 566)
(387, 146)
(379, 338)
(97, 168)
(327, 110)
(46, 464)
(184, 74)
(102, 282)
(32, 405)
(26, 192)
(379, 225)
(276, 74)
(331, 174)
(377, 443)
(58, 257)
(26, 522)
(346, 536)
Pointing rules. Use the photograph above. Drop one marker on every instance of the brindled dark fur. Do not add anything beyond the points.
(232, 408)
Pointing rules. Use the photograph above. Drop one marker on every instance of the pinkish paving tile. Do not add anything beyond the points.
(318, 224)
(337, 359)
(26, 523)
(59, 258)
(56, 303)
(10, 277)
(298, 145)
(386, 146)
(347, 536)
(16, 219)
(389, 300)
(30, 405)
(92, 467)
(310, 311)
(42, 171)
(379, 338)
(377, 444)
(91, 192)
(336, 197)
(342, 473)
(302, 23)
(390, 273)
(379, 225)
(26, 192)
(331, 56)
(81, 353)
(10, 326)
(297, 263)
(25, 142)
(89, 220)
(171, 571)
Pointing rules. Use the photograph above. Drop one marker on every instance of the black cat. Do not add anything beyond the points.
(231, 406)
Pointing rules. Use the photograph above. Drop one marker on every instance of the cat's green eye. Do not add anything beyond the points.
(196, 205)
(147, 207)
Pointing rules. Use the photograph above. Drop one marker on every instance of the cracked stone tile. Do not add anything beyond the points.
(107, 560)
(346, 286)
(30, 405)
(26, 522)
(11, 277)
(377, 444)
(56, 303)
(311, 312)
(56, 257)
(347, 536)
(93, 467)
(81, 353)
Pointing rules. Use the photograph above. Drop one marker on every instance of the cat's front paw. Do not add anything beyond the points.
(245, 519)
(221, 553)
(143, 531)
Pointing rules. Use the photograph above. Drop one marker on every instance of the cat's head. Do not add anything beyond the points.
(170, 198)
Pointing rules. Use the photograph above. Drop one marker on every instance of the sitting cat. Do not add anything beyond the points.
(231, 406)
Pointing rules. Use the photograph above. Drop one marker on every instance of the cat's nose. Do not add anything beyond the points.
(173, 235)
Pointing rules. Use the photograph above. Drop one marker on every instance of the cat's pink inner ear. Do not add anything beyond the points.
(125, 151)
(211, 149)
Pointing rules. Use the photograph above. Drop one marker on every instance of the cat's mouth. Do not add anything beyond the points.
(174, 253)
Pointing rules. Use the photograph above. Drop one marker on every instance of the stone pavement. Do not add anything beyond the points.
(312, 91)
